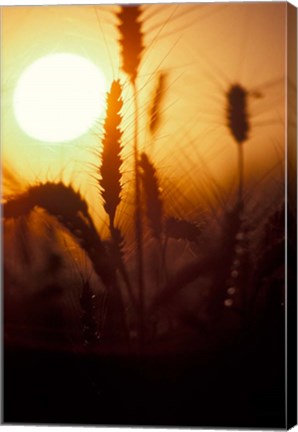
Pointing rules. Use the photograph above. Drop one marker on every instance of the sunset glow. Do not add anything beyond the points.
(59, 97)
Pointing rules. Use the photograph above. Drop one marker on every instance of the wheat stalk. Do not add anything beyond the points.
(152, 194)
(131, 44)
(71, 210)
(237, 113)
(155, 109)
(230, 255)
(110, 174)
(239, 125)
(131, 40)
(139, 229)
(110, 181)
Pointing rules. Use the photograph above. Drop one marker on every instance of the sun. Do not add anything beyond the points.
(59, 97)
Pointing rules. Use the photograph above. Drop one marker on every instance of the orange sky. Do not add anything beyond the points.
(204, 48)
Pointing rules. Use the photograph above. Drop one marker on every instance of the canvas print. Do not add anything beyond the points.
(148, 178)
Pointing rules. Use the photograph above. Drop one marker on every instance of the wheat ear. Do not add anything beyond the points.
(131, 39)
(110, 173)
(239, 125)
(151, 187)
(155, 109)
(110, 181)
(71, 210)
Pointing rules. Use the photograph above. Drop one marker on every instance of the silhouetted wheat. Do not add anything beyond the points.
(111, 161)
(230, 252)
(131, 40)
(181, 229)
(72, 212)
(155, 109)
(110, 172)
(223, 267)
(238, 124)
(237, 113)
(46, 195)
(152, 194)
(117, 256)
(240, 279)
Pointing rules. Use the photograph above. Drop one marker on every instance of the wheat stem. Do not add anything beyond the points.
(164, 246)
(138, 224)
(115, 233)
(241, 172)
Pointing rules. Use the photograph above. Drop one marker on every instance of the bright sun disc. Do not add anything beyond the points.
(59, 97)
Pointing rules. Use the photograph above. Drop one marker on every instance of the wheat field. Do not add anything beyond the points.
(158, 233)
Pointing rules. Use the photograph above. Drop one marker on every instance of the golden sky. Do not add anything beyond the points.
(203, 48)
